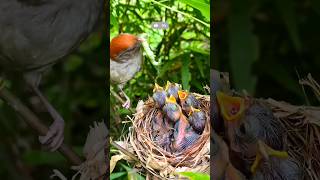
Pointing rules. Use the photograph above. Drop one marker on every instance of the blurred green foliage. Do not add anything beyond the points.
(75, 86)
(183, 48)
(267, 45)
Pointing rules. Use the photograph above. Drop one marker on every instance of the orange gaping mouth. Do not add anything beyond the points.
(182, 95)
(231, 107)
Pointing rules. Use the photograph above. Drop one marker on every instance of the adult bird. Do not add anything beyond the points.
(125, 60)
(36, 34)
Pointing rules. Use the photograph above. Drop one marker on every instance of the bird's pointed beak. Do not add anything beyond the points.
(231, 107)
(167, 85)
(156, 87)
(182, 95)
(264, 152)
(193, 110)
(171, 99)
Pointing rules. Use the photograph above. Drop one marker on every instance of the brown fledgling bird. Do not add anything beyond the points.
(36, 34)
(197, 119)
(220, 165)
(171, 109)
(184, 136)
(172, 89)
(125, 61)
(159, 96)
(187, 100)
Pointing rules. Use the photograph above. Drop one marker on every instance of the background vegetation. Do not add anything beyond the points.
(183, 50)
(267, 45)
(76, 87)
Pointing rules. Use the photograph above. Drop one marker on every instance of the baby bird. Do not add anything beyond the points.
(161, 131)
(270, 164)
(220, 165)
(248, 124)
(172, 89)
(187, 100)
(171, 109)
(159, 96)
(184, 136)
(197, 120)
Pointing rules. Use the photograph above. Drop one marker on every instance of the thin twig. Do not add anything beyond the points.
(124, 151)
(34, 122)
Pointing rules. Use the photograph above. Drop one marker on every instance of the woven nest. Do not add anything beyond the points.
(157, 161)
(302, 130)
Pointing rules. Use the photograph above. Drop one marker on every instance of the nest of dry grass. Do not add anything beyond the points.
(157, 161)
(302, 126)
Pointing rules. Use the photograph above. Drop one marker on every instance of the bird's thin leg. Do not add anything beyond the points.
(126, 104)
(54, 136)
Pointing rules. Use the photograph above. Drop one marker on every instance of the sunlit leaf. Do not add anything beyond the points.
(202, 5)
(195, 176)
(185, 73)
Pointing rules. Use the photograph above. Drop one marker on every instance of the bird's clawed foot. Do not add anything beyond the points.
(54, 137)
(127, 104)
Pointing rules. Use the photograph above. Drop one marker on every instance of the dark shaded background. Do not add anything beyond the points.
(76, 87)
(266, 45)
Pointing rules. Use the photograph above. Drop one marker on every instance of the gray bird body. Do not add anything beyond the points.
(35, 36)
(275, 168)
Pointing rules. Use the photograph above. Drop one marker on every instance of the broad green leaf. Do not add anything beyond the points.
(117, 175)
(243, 45)
(287, 10)
(185, 73)
(195, 176)
(202, 5)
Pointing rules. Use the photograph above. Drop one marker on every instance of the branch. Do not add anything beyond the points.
(34, 122)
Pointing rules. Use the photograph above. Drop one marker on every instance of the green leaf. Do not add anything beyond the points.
(287, 10)
(199, 64)
(202, 5)
(243, 45)
(195, 176)
(132, 173)
(117, 175)
(185, 73)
